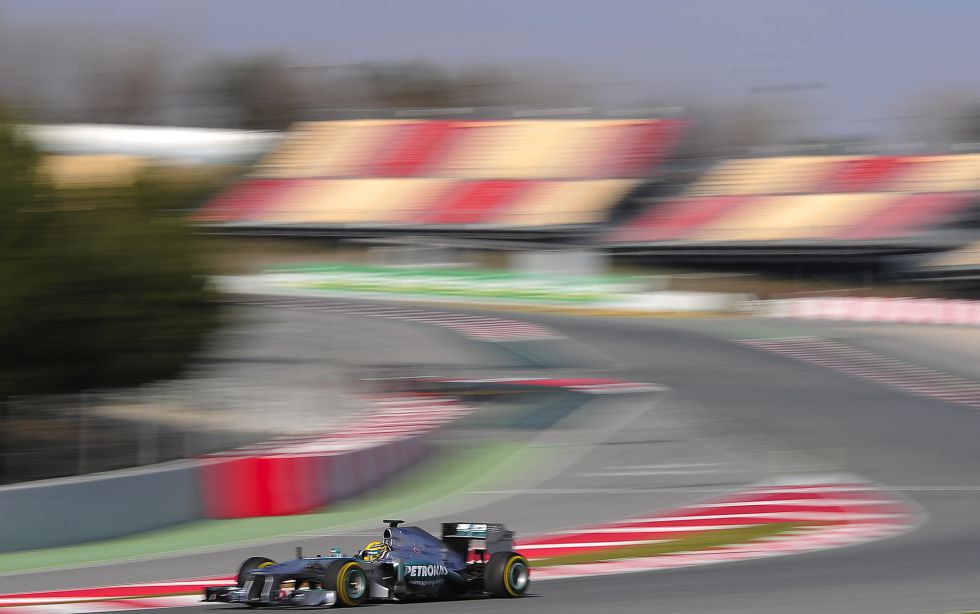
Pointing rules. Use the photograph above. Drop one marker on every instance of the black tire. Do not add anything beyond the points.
(255, 562)
(349, 580)
(507, 575)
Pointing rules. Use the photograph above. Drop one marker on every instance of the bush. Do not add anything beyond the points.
(96, 288)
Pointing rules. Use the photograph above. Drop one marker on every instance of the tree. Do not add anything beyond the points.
(967, 128)
(126, 88)
(253, 93)
(97, 291)
(427, 85)
(410, 84)
(939, 118)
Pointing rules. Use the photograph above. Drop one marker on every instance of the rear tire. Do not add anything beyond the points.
(349, 580)
(256, 562)
(507, 575)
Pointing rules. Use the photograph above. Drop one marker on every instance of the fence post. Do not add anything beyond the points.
(5, 419)
(148, 452)
(81, 467)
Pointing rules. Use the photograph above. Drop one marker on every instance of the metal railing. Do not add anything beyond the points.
(66, 435)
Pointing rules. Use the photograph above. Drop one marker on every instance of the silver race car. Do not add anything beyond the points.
(407, 563)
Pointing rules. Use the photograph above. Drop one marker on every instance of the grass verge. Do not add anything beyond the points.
(701, 541)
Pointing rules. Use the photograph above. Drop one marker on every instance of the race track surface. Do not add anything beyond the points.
(734, 415)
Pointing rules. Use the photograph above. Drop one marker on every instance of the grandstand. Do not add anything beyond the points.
(93, 170)
(565, 178)
(806, 204)
(374, 176)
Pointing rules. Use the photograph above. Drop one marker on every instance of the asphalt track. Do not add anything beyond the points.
(738, 413)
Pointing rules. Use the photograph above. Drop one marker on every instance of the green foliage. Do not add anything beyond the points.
(96, 289)
(177, 191)
(967, 128)
(254, 93)
(411, 84)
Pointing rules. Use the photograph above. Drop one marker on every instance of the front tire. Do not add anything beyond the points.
(507, 575)
(349, 580)
(256, 562)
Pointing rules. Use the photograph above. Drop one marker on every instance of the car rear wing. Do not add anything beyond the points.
(463, 537)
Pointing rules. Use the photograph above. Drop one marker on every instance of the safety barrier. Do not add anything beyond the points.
(67, 511)
(877, 309)
(289, 475)
(293, 484)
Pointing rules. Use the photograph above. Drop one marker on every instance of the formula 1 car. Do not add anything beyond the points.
(408, 563)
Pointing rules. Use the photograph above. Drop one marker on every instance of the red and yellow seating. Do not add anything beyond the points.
(812, 198)
(521, 173)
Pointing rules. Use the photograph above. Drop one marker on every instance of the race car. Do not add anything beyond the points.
(407, 563)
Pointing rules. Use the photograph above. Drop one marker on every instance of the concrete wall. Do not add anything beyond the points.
(74, 510)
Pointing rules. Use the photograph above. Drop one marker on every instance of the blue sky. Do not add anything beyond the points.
(872, 56)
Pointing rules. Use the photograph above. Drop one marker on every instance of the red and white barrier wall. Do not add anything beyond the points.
(299, 474)
(874, 309)
(289, 475)
(280, 485)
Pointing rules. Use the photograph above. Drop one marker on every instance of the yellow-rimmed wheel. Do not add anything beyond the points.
(349, 580)
(507, 575)
(256, 562)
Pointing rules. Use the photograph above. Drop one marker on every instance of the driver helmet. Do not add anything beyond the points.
(374, 551)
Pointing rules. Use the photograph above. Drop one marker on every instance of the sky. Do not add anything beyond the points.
(860, 62)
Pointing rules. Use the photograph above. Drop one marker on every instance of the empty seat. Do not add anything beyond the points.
(475, 202)
(790, 218)
(414, 147)
(638, 146)
(584, 147)
(352, 146)
(297, 205)
(675, 219)
(909, 214)
(356, 201)
(564, 203)
(297, 155)
(244, 201)
(482, 150)
(942, 174)
(865, 174)
(785, 175)
(529, 147)
(838, 213)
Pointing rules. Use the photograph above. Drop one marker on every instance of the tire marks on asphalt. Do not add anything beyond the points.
(477, 327)
(889, 372)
